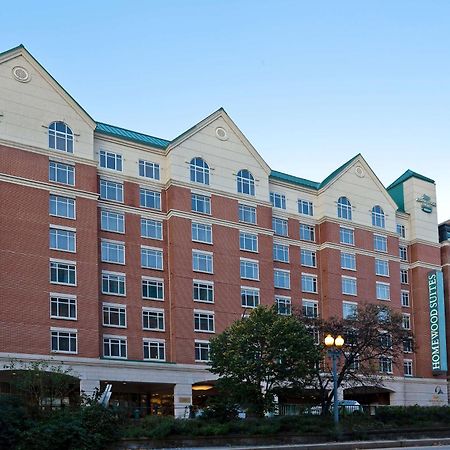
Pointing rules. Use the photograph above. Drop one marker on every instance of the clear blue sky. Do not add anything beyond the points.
(310, 83)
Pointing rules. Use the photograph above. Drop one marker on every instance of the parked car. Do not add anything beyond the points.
(348, 406)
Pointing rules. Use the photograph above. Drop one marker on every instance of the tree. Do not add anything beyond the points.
(375, 334)
(261, 353)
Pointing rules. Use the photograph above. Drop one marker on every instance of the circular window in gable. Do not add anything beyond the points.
(21, 74)
(221, 133)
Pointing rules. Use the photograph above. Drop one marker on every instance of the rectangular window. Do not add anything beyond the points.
(305, 207)
(113, 283)
(113, 252)
(347, 236)
(202, 262)
(401, 230)
(385, 364)
(310, 309)
(309, 283)
(308, 258)
(249, 297)
(152, 289)
(149, 199)
(406, 321)
(204, 321)
(349, 286)
(202, 351)
(379, 243)
(284, 306)
(151, 258)
(151, 229)
(282, 279)
(307, 232)
(63, 240)
(111, 190)
(349, 310)
(201, 203)
(64, 341)
(201, 232)
(114, 347)
(405, 298)
(153, 319)
(62, 273)
(114, 315)
(148, 169)
(62, 207)
(382, 267)
(249, 269)
(281, 253)
(404, 276)
(63, 307)
(247, 214)
(403, 252)
(248, 241)
(383, 291)
(61, 173)
(407, 368)
(112, 221)
(407, 345)
(278, 200)
(348, 261)
(154, 350)
(280, 226)
(203, 291)
(110, 160)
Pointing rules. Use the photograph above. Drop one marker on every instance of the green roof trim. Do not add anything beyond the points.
(396, 193)
(133, 136)
(406, 176)
(340, 169)
(279, 176)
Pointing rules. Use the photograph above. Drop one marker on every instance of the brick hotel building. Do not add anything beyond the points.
(122, 254)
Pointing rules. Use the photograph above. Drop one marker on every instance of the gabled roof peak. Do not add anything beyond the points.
(407, 175)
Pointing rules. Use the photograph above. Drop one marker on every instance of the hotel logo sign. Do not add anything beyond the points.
(437, 321)
(426, 203)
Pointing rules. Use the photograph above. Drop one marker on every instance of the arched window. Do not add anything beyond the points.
(344, 208)
(245, 182)
(378, 216)
(199, 171)
(60, 137)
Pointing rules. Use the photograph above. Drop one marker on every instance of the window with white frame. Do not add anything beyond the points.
(249, 297)
(110, 160)
(62, 206)
(307, 232)
(149, 199)
(63, 340)
(113, 252)
(401, 230)
(153, 319)
(248, 241)
(63, 306)
(151, 258)
(403, 252)
(247, 214)
(407, 345)
(405, 298)
(384, 315)
(406, 321)
(204, 321)
(382, 267)
(379, 243)
(199, 171)
(383, 291)
(201, 232)
(62, 239)
(385, 340)
(114, 315)
(249, 269)
(347, 236)
(202, 261)
(61, 173)
(154, 350)
(151, 229)
(309, 283)
(305, 207)
(200, 203)
(344, 208)
(308, 258)
(152, 288)
(202, 349)
(280, 226)
(115, 347)
(310, 308)
(385, 364)
(148, 169)
(282, 279)
(60, 137)
(314, 333)
(349, 310)
(348, 261)
(278, 200)
(349, 285)
(63, 273)
(284, 305)
(203, 291)
(378, 218)
(407, 368)
(404, 276)
(111, 190)
(113, 283)
(245, 182)
(354, 363)
(112, 221)
(280, 252)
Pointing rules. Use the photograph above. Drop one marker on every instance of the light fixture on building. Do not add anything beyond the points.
(202, 387)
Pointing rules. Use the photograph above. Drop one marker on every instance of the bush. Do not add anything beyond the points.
(13, 421)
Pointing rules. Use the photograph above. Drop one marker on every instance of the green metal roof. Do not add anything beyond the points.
(340, 169)
(133, 136)
(406, 176)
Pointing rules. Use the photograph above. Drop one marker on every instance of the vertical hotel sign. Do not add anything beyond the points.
(437, 321)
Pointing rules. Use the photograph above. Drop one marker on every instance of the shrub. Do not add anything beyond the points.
(13, 421)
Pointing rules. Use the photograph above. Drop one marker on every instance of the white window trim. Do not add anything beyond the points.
(209, 312)
(114, 212)
(69, 196)
(200, 341)
(251, 234)
(151, 189)
(203, 253)
(206, 224)
(64, 330)
(115, 305)
(61, 227)
(159, 249)
(111, 336)
(68, 296)
(379, 274)
(112, 152)
(111, 241)
(155, 310)
(122, 274)
(252, 261)
(308, 250)
(356, 285)
(385, 284)
(69, 229)
(387, 243)
(209, 283)
(309, 275)
(113, 180)
(62, 261)
(345, 302)
(343, 227)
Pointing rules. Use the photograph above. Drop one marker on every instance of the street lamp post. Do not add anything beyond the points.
(334, 346)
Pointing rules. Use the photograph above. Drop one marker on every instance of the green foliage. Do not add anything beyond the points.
(413, 415)
(12, 421)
